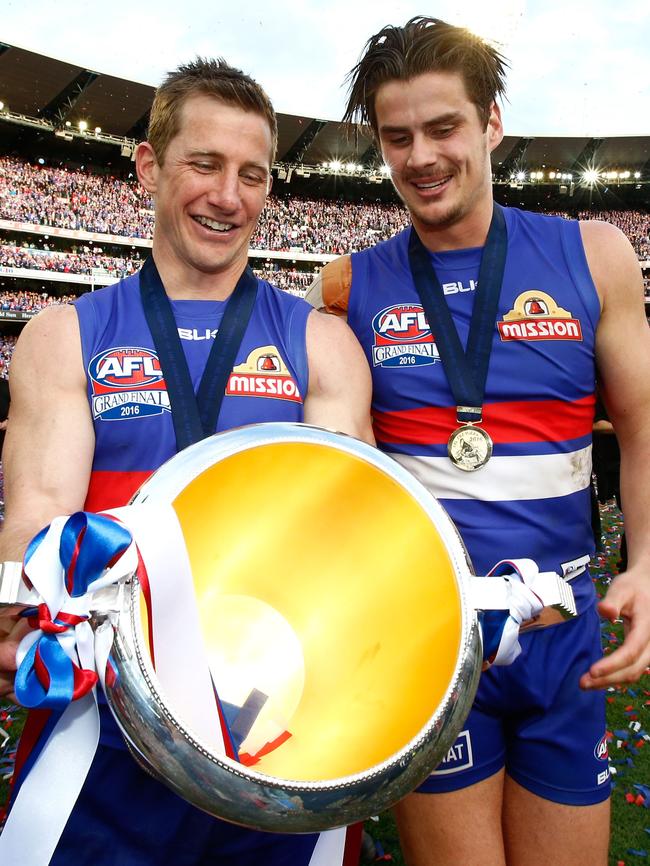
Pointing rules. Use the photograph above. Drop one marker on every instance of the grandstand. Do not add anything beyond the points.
(73, 217)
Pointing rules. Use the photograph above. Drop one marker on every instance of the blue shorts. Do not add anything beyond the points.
(124, 817)
(533, 719)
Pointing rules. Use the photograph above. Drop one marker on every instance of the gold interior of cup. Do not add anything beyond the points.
(324, 585)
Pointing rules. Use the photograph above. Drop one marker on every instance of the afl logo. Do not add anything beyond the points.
(126, 368)
(127, 382)
(600, 751)
(401, 323)
(403, 337)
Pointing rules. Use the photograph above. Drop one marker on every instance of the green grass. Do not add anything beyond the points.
(630, 822)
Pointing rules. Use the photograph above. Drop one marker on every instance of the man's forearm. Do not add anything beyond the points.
(635, 498)
(15, 537)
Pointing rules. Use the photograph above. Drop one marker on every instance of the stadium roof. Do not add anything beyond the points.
(59, 95)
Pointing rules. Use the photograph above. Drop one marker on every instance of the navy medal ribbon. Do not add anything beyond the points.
(195, 416)
(467, 370)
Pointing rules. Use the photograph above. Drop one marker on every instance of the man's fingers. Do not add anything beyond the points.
(9, 644)
(625, 665)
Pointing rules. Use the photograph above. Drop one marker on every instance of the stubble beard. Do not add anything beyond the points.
(454, 214)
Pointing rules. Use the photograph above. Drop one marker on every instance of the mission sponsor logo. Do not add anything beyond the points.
(536, 316)
(127, 382)
(263, 374)
(403, 338)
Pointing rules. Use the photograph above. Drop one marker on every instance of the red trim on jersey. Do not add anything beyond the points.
(112, 489)
(352, 850)
(517, 421)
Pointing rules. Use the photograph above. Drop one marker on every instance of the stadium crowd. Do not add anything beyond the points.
(7, 344)
(31, 302)
(78, 200)
(294, 281)
(321, 226)
(75, 200)
(634, 224)
(81, 261)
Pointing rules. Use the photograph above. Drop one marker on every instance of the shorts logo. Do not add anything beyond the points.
(600, 750)
(263, 374)
(458, 758)
(536, 316)
(127, 382)
(403, 338)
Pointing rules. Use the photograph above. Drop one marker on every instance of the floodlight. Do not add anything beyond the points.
(591, 175)
(385, 169)
(335, 165)
(83, 126)
(521, 175)
(637, 175)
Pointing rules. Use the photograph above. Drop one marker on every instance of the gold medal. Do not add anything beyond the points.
(469, 447)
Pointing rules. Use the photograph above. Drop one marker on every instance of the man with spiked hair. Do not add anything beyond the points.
(483, 327)
(207, 164)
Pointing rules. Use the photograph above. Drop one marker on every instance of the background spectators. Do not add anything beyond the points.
(78, 200)
(82, 262)
(7, 343)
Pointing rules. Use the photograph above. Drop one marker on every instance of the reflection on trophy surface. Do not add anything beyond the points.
(330, 592)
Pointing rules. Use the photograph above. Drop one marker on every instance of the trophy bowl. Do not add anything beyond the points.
(332, 593)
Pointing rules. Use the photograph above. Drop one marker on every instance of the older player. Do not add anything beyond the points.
(98, 405)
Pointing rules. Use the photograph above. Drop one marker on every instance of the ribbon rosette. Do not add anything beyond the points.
(59, 664)
(66, 563)
(63, 658)
(500, 627)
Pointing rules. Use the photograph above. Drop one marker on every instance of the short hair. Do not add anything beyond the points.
(213, 78)
(424, 45)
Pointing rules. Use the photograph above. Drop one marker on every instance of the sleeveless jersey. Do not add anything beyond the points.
(134, 431)
(532, 499)
(127, 392)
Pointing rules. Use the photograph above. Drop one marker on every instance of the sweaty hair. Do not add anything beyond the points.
(424, 45)
(205, 77)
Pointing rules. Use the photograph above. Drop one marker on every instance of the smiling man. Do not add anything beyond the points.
(105, 391)
(483, 327)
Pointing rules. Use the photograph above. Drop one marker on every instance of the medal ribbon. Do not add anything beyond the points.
(466, 371)
(195, 416)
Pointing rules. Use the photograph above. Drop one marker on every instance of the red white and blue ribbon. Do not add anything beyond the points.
(505, 605)
(62, 659)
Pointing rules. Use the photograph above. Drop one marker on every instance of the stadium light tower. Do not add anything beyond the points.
(590, 177)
